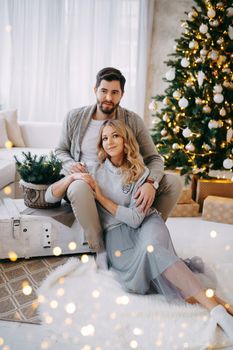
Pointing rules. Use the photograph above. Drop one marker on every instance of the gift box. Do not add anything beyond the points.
(190, 209)
(219, 209)
(215, 187)
(186, 196)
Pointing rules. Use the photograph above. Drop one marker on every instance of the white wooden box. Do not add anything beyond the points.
(36, 232)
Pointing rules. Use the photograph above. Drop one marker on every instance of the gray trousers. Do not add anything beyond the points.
(84, 207)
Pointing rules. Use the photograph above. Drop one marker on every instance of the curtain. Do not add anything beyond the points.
(54, 48)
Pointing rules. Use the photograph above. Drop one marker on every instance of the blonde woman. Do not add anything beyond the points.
(138, 245)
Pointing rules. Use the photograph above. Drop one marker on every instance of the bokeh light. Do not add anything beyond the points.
(70, 308)
(57, 251)
(209, 293)
(84, 258)
(72, 245)
(12, 255)
(150, 248)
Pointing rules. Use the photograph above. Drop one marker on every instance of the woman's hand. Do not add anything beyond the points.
(84, 177)
(79, 167)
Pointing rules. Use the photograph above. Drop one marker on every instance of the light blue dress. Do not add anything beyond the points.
(139, 246)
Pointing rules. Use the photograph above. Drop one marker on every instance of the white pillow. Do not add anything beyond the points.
(12, 127)
(3, 133)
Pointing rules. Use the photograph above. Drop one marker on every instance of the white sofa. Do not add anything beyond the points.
(39, 138)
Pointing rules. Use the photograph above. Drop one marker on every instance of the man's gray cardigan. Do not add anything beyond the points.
(75, 126)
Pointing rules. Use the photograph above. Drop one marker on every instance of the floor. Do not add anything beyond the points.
(18, 336)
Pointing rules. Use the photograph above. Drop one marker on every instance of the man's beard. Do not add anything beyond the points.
(107, 111)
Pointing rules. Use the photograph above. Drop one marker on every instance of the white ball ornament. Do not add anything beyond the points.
(183, 102)
(229, 135)
(153, 105)
(228, 163)
(220, 41)
(176, 129)
(206, 147)
(214, 55)
(170, 75)
(193, 44)
(166, 117)
(166, 101)
(222, 112)
(184, 62)
(203, 52)
(214, 23)
(163, 132)
(218, 98)
(198, 100)
(229, 11)
(206, 109)
(213, 124)
(187, 132)
(211, 13)
(175, 146)
(203, 28)
(190, 147)
(176, 94)
(218, 89)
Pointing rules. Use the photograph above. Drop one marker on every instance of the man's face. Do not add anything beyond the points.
(108, 96)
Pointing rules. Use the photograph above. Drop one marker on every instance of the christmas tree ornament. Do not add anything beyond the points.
(203, 28)
(189, 82)
(153, 106)
(214, 23)
(213, 55)
(170, 75)
(206, 147)
(220, 6)
(229, 11)
(166, 101)
(193, 44)
(218, 89)
(220, 123)
(163, 132)
(218, 98)
(184, 62)
(190, 147)
(203, 52)
(221, 60)
(228, 163)
(176, 94)
(222, 112)
(166, 117)
(206, 109)
(213, 124)
(183, 102)
(200, 78)
(211, 13)
(198, 100)
(187, 132)
(175, 146)
(176, 129)
(229, 135)
(198, 60)
(192, 15)
(220, 41)
(230, 32)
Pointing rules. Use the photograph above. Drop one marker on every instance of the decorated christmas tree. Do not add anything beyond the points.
(193, 118)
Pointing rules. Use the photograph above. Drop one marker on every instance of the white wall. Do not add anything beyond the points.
(166, 27)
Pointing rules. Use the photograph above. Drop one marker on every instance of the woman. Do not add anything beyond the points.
(139, 247)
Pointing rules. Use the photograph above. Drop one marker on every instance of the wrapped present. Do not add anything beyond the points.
(219, 209)
(215, 187)
(186, 196)
(190, 209)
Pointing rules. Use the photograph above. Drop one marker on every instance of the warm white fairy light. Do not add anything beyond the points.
(84, 258)
(95, 293)
(41, 298)
(7, 190)
(12, 255)
(1, 341)
(27, 289)
(8, 144)
(88, 330)
(137, 331)
(53, 304)
(213, 234)
(48, 319)
(70, 308)
(150, 248)
(227, 247)
(133, 344)
(209, 293)
(117, 253)
(68, 321)
(44, 344)
(113, 315)
(122, 300)
(57, 251)
(60, 292)
(72, 245)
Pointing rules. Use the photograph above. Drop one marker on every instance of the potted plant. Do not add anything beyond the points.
(37, 174)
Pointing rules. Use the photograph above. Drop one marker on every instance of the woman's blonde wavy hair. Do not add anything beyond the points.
(132, 166)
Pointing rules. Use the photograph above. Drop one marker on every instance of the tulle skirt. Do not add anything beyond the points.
(145, 261)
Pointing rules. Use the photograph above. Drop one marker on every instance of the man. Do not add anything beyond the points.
(77, 151)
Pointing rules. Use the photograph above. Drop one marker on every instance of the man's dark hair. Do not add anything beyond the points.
(110, 74)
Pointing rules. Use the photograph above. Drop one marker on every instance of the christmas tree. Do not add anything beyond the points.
(193, 124)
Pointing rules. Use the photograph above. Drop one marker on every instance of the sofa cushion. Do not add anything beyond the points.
(12, 127)
(3, 133)
(7, 171)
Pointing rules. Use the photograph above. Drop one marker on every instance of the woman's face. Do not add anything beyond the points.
(113, 144)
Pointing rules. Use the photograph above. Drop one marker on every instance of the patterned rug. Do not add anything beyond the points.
(18, 284)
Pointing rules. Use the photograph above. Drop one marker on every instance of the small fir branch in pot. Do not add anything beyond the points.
(39, 169)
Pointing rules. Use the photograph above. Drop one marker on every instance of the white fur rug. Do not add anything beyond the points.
(90, 308)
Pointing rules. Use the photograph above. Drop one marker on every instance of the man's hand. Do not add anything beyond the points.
(78, 168)
(145, 196)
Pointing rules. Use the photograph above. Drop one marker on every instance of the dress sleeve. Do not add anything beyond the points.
(131, 215)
